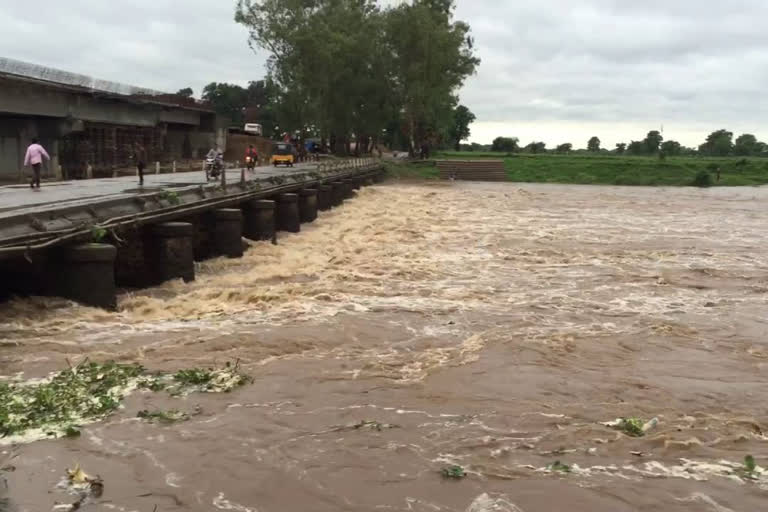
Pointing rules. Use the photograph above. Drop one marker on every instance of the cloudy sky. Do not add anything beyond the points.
(552, 70)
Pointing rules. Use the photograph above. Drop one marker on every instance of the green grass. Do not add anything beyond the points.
(623, 170)
(414, 170)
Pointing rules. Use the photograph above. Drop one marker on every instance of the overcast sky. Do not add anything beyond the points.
(552, 70)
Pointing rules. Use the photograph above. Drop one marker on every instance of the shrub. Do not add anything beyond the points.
(703, 179)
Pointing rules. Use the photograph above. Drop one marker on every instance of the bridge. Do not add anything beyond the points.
(84, 239)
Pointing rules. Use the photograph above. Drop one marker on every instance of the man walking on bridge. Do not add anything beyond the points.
(34, 157)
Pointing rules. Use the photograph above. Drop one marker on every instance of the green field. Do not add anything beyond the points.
(623, 170)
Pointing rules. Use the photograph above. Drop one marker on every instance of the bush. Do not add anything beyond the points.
(702, 179)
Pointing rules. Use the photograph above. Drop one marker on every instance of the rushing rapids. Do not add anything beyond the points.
(496, 328)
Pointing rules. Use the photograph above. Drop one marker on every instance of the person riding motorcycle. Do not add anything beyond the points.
(214, 163)
(251, 157)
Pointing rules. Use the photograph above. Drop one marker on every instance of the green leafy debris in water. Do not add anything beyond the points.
(373, 425)
(86, 392)
(71, 432)
(559, 467)
(631, 426)
(456, 472)
(749, 471)
(205, 380)
(167, 417)
(58, 405)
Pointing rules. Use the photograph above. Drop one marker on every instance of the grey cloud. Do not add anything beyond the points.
(684, 62)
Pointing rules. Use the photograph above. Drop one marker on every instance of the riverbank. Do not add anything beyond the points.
(622, 170)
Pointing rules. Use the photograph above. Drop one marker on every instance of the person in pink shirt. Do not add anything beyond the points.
(35, 155)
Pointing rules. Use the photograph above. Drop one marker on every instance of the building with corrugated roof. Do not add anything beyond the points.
(85, 122)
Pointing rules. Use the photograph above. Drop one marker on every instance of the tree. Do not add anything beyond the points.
(187, 92)
(593, 145)
(671, 148)
(459, 130)
(227, 100)
(652, 142)
(636, 147)
(747, 145)
(718, 143)
(505, 144)
(536, 147)
(621, 147)
(564, 148)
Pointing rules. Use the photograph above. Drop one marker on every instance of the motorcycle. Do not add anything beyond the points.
(213, 168)
(250, 163)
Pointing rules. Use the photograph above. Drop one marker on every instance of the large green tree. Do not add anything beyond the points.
(505, 144)
(621, 147)
(653, 142)
(671, 148)
(564, 148)
(748, 145)
(718, 143)
(348, 69)
(593, 145)
(459, 129)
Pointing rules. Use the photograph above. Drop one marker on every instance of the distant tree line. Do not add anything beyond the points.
(717, 143)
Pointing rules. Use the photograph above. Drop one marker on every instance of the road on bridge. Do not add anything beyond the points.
(21, 199)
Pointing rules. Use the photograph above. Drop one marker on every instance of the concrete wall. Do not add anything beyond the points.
(32, 110)
(34, 100)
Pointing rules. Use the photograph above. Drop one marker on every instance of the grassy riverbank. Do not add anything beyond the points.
(624, 170)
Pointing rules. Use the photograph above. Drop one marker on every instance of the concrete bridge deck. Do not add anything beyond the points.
(62, 209)
(82, 239)
(20, 199)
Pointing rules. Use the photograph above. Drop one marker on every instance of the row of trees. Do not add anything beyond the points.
(718, 143)
(345, 70)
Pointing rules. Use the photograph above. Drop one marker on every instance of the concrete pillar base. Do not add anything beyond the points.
(288, 218)
(324, 197)
(337, 193)
(349, 188)
(308, 205)
(87, 275)
(169, 252)
(228, 232)
(259, 220)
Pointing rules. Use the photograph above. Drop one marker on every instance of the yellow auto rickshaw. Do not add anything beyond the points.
(282, 154)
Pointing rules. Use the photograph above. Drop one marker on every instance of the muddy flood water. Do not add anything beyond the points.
(494, 327)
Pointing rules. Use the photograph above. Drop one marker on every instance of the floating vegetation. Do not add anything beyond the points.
(455, 472)
(58, 405)
(98, 234)
(205, 380)
(633, 427)
(166, 417)
(750, 471)
(84, 393)
(558, 466)
(373, 425)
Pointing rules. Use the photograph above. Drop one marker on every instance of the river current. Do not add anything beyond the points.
(420, 326)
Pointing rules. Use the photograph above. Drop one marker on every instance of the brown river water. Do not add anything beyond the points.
(492, 326)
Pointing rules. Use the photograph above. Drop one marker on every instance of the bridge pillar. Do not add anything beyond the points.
(357, 182)
(288, 213)
(337, 193)
(324, 197)
(87, 275)
(349, 188)
(228, 232)
(169, 252)
(368, 181)
(259, 217)
(308, 204)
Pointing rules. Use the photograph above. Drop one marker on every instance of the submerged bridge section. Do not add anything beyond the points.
(82, 240)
